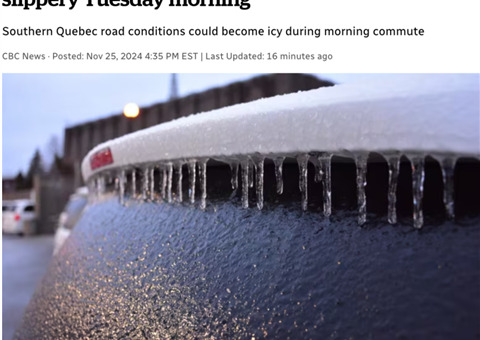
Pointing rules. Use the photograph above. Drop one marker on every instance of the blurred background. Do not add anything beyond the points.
(51, 121)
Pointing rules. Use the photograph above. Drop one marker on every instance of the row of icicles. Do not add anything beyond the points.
(321, 162)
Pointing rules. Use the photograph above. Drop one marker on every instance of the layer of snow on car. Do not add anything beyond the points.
(421, 113)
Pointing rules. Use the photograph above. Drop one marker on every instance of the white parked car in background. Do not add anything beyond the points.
(18, 217)
(68, 218)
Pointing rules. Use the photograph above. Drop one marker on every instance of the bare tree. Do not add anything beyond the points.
(36, 168)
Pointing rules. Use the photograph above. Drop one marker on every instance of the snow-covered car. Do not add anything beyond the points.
(69, 217)
(18, 217)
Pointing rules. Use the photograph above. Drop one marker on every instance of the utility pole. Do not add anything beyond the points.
(173, 87)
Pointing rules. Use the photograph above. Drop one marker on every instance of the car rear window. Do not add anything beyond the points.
(29, 208)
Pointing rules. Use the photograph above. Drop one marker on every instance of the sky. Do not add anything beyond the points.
(37, 107)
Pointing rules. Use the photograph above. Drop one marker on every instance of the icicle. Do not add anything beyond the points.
(448, 167)
(191, 180)
(234, 171)
(121, 186)
(93, 187)
(94, 191)
(245, 183)
(97, 186)
(278, 161)
(117, 183)
(259, 169)
(102, 185)
(152, 183)
(91, 190)
(325, 174)
(393, 171)
(202, 173)
(250, 174)
(169, 182)
(179, 175)
(303, 178)
(418, 175)
(145, 178)
(164, 182)
(361, 163)
(134, 183)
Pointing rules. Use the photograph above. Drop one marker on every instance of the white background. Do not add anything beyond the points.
(450, 43)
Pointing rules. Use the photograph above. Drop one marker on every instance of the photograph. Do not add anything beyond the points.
(240, 205)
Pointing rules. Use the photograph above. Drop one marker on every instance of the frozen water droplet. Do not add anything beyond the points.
(121, 186)
(191, 180)
(259, 171)
(303, 178)
(325, 174)
(234, 171)
(145, 178)
(448, 167)
(361, 163)
(278, 161)
(418, 176)
(169, 182)
(202, 173)
(134, 183)
(179, 175)
(245, 183)
(393, 171)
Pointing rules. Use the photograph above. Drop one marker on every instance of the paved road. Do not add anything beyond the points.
(25, 261)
